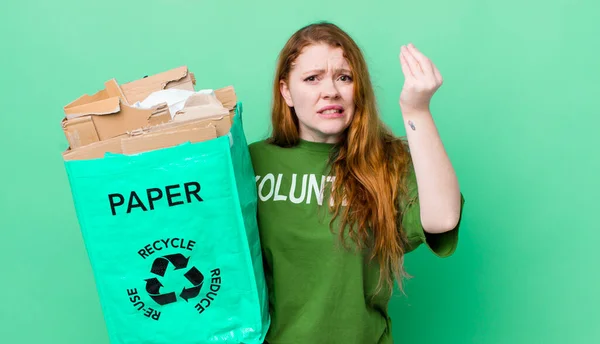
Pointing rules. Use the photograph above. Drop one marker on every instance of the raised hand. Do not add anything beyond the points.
(421, 80)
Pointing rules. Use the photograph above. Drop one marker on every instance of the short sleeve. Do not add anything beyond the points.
(442, 244)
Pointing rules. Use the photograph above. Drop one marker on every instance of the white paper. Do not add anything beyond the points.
(175, 99)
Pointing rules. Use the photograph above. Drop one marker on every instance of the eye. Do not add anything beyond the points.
(346, 78)
(311, 78)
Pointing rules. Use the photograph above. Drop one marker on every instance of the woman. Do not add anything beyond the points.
(341, 200)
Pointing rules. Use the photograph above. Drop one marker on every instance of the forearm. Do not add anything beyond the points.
(439, 193)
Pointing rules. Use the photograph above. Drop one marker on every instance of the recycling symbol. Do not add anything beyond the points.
(159, 268)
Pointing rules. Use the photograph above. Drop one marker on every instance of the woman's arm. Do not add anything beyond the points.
(439, 193)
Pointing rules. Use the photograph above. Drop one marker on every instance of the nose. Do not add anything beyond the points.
(330, 90)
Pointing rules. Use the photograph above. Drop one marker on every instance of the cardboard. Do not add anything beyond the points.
(167, 138)
(128, 119)
(113, 90)
(80, 132)
(203, 105)
(86, 106)
(107, 121)
(95, 150)
(111, 112)
(227, 97)
(138, 90)
(222, 125)
(159, 137)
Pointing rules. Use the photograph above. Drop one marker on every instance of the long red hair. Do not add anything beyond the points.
(369, 163)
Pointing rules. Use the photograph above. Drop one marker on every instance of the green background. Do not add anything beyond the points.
(518, 114)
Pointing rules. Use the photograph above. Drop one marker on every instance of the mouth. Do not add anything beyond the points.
(331, 111)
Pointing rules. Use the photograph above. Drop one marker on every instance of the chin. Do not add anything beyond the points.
(333, 129)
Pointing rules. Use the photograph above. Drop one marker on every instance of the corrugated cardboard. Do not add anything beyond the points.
(202, 105)
(167, 138)
(222, 125)
(107, 122)
(156, 137)
(95, 150)
(194, 131)
(139, 90)
(80, 132)
(110, 111)
(227, 97)
(92, 105)
(88, 129)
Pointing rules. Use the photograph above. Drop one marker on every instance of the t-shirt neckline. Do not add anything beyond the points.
(315, 146)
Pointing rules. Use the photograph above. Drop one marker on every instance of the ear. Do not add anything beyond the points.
(285, 93)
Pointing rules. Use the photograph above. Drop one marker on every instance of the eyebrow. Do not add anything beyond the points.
(321, 71)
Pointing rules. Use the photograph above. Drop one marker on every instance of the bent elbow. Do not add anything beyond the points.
(441, 224)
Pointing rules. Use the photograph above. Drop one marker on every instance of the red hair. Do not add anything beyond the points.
(369, 163)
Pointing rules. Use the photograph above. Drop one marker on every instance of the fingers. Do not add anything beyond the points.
(405, 67)
(411, 61)
(438, 75)
(419, 64)
(425, 63)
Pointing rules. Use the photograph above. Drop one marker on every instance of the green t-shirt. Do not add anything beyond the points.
(319, 291)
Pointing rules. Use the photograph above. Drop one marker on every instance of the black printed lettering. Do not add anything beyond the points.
(207, 302)
(148, 312)
(155, 315)
(170, 195)
(152, 199)
(139, 305)
(114, 204)
(135, 298)
(189, 192)
(159, 245)
(134, 197)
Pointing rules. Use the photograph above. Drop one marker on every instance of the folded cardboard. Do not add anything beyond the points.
(157, 137)
(221, 119)
(106, 123)
(222, 125)
(109, 112)
(138, 90)
(201, 105)
(96, 150)
(169, 138)
(89, 120)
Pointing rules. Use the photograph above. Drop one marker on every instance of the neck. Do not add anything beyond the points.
(330, 139)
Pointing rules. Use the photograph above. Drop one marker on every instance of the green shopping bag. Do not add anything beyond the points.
(173, 242)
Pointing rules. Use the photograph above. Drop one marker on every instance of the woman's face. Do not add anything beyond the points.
(320, 89)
